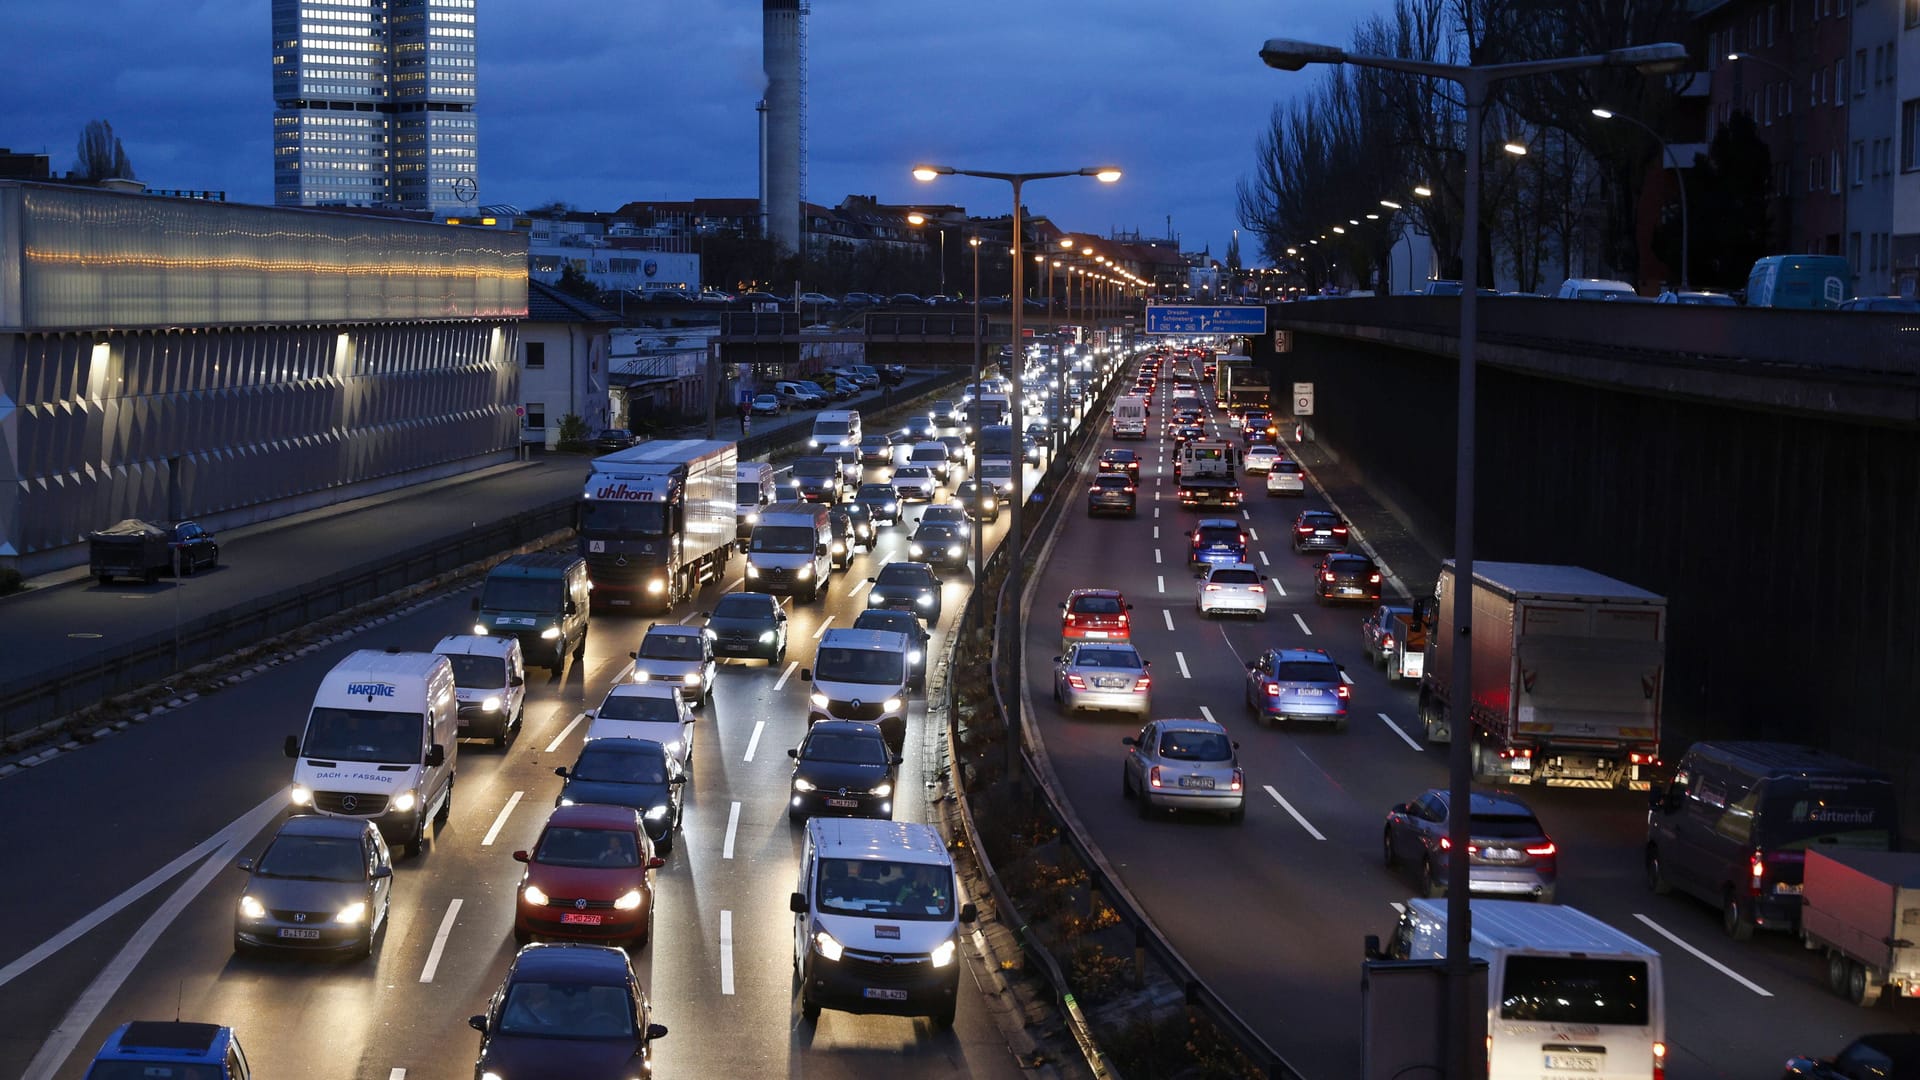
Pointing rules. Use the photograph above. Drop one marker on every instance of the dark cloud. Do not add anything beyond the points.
(597, 102)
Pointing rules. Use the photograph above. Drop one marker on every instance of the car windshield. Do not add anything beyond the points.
(641, 519)
(952, 515)
(655, 709)
(1195, 746)
(876, 442)
(1504, 826)
(382, 738)
(605, 849)
(783, 540)
(911, 473)
(472, 672)
(897, 890)
(766, 400)
(1096, 605)
(901, 622)
(314, 858)
(845, 749)
(878, 667)
(742, 607)
(929, 453)
(604, 765)
(1599, 294)
(1234, 577)
(815, 466)
(746, 493)
(903, 574)
(829, 427)
(566, 1011)
(1107, 658)
(671, 647)
(1810, 813)
(934, 532)
(616, 433)
(996, 468)
(875, 491)
(1574, 990)
(1308, 671)
(1216, 534)
(521, 594)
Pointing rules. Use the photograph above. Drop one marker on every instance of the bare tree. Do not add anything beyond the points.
(101, 156)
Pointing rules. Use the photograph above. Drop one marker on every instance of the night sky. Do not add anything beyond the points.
(598, 102)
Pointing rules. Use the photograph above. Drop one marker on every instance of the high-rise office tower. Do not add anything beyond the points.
(373, 103)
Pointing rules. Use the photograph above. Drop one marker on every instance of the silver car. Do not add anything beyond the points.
(915, 482)
(681, 655)
(324, 884)
(1184, 765)
(1103, 675)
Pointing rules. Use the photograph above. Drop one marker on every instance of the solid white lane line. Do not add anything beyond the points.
(824, 623)
(565, 731)
(1404, 737)
(1263, 559)
(493, 833)
(1181, 659)
(1303, 624)
(726, 952)
(753, 743)
(440, 941)
(1162, 581)
(1704, 958)
(1253, 533)
(733, 826)
(792, 666)
(1207, 714)
(1288, 807)
(1156, 557)
(1167, 613)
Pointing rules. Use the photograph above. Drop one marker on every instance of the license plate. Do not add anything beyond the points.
(299, 933)
(1573, 1063)
(843, 804)
(1309, 691)
(579, 919)
(882, 993)
(1197, 782)
(1096, 633)
(1321, 532)
(1503, 855)
(1786, 888)
(1350, 589)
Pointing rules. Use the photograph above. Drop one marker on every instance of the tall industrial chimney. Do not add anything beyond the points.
(784, 155)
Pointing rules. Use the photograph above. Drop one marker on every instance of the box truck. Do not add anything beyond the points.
(657, 520)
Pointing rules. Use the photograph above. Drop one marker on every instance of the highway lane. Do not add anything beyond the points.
(1272, 912)
(115, 813)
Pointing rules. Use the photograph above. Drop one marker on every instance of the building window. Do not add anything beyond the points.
(1860, 73)
(1773, 21)
(1910, 136)
(1835, 181)
(1840, 80)
(536, 355)
(536, 419)
(1859, 162)
(1853, 252)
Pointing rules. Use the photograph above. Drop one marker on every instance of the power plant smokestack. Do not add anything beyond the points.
(782, 162)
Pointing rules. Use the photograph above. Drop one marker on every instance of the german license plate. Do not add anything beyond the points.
(883, 993)
(1350, 589)
(575, 918)
(1786, 888)
(1573, 1062)
(1322, 532)
(299, 933)
(1197, 782)
(1096, 633)
(1503, 855)
(843, 804)
(1309, 691)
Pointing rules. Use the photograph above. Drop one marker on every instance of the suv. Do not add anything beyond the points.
(680, 656)
(1510, 854)
(1346, 577)
(1297, 684)
(1318, 530)
(1095, 615)
(161, 1048)
(1216, 541)
(1111, 493)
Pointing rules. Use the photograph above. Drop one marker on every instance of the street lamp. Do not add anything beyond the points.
(1679, 178)
(1475, 84)
(1793, 155)
(1516, 149)
(1106, 174)
(917, 219)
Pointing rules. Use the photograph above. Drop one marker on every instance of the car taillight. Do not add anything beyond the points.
(1123, 619)
(1258, 588)
(1328, 576)
(1076, 682)
(1343, 692)
(1446, 844)
(1541, 851)
(1069, 616)
(1758, 865)
(1153, 776)
(1213, 588)
(1373, 579)
(1142, 684)
(1659, 1061)
(1341, 529)
(1273, 689)
(1387, 642)
(1304, 530)
(1243, 538)
(1129, 489)
(1239, 780)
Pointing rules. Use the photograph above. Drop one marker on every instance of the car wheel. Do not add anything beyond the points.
(186, 564)
(641, 939)
(1146, 804)
(244, 950)
(1657, 882)
(1735, 919)
(446, 808)
(1431, 886)
(1236, 816)
(809, 1008)
(580, 650)
(942, 1019)
(1863, 987)
(1056, 690)
(418, 840)
(1386, 848)
(1838, 974)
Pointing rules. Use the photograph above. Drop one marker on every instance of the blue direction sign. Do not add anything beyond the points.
(1189, 319)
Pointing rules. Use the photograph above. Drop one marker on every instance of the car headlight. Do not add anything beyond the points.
(753, 517)
(819, 700)
(691, 678)
(813, 442)
(891, 704)
(824, 944)
(874, 599)
(892, 506)
(642, 675)
(492, 704)
(925, 601)
(766, 637)
(553, 632)
(805, 572)
(491, 1075)
(914, 550)
(404, 801)
(802, 785)
(882, 790)
(752, 570)
(300, 796)
(534, 896)
(954, 550)
(628, 900)
(839, 548)
(656, 586)
(913, 657)
(252, 909)
(992, 504)
(353, 914)
(480, 629)
(657, 813)
(566, 801)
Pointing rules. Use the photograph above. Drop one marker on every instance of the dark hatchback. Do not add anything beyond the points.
(900, 622)
(612, 439)
(1217, 541)
(1112, 493)
(1346, 578)
(907, 586)
(1115, 460)
(843, 767)
(567, 1010)
(968, 496)
(939, 543)
(635, 773)
(749, 625)
(882, 503)
(1319, 530)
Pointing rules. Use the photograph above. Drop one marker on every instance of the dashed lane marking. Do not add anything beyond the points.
(753, 741)
(1404, 737)
(1304, 628)
(493, 833)
(1288, 807)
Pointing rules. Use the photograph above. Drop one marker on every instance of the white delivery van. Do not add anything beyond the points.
(1130, 416)
(877, 920)
(1566, 993)
(754, 491)
(836, 427)
(490, 680)
(861, 675)
(791, 550)
(380, 744)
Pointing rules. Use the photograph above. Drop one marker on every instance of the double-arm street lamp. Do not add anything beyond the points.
(1475, 84)
(1679, 178)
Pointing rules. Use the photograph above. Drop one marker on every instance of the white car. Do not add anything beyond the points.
(646, 710)
(914, 482)
(1286, 478)
(679, 656)
(1260, 459)
(1235, 588)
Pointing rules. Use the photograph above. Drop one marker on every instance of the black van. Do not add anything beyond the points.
(542, 599)
(1734, 825)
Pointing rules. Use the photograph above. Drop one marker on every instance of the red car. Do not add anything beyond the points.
(1095, 615)
(588, 878)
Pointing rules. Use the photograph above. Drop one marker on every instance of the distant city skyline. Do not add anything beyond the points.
(617, 102)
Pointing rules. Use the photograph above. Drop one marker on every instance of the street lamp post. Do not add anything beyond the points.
(1475, 83)
(1679, 178)
(979, 486)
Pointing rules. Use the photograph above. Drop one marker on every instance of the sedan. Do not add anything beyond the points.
(638, 774)
(567, 1010)
(947, 513)
(1508, 854)
(1286, 478)
(914, 482)
(193, 547)
(1103, 675)
(750, 625)
(680, 656)
(612, 439)
(1319, 530)
(921, 429)
(1112, 493)
(876, 450)
(1346, 577)
(843, 767)
(940, 543)
(768, 405)
(589, 876)
(882, 502)
(324, 884)
(1232, 588)
(907, 586)
(1184, 765)
(1261, 459)
(968, 495)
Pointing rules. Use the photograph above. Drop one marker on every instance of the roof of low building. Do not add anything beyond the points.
(549, 305)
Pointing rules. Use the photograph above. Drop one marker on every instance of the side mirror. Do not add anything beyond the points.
(517, 680)
(1063, 605)
(676, 779)
(561, 772)
(819, 549)
(572, 608)
(797, 903)
(633, 656)
(245, 866)
(1057, 659)
(656, 1031)
(520, 856)
(656, 862)
(1373, 947)
(873, 581)
(436, 756)
(1129, 607)
(1129, 741)
(1403, 808)
(806, 673)
(794, 753)
(590, 713)
(382, 872)
(476, 607)
(1253, 665)
(968, 912)
(292, 746)
(478, 1023)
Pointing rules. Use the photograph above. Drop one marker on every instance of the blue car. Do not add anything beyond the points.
(1216, 541)
(1298, 684)
(170, 1050)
